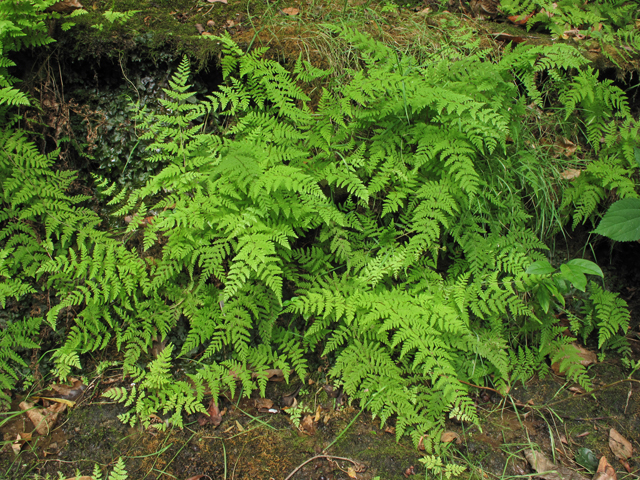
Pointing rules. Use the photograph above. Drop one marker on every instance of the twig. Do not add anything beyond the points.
(328, 457)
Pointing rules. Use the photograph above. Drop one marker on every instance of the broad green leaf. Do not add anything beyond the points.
(543, 297)
(575, 276)
(585, 266)
(622, 221)
(636, 153)
(541, 267)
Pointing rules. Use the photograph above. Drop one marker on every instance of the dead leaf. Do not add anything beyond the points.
(331, 391)
(239, 426)
(421, 443)
(391, 430)
(424, 11)
(289, 399)
(351, 472)
(211, 24)
(619, 445)
(83, 477)
(583, 434)
(68, 403)
(200, 29)
(65, 6)
(577, 390)
(520, 19)
(290, 11)
(587, 358)
(198, 477)
(265, 405)
(409, 471)
(307, 426)
(70, 392)
(214, 416)
(214, 1)
(318, 414)
(563, 439)
(230, 23)
(605, 471)
(548, 470)
(449, 436)
(44, 419)
(272, 374)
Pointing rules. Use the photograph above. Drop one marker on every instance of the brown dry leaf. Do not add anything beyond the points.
(214, 416)
(563, 439)
(265, 405)
(198, 477)
(70, 392)
(239, 426)
(65, 6)
(548, 470)
(307, 426)
(520, 19)
(583, 434)
(83, 477)
(620, 446)
(214, 1)
(424, 11)
(391, 430)
(290, 11)
(577, 390)
(587, 357)
(605, 471)
(449, 436)
(421, 443)
(351, 472)
(211, 23)
(200, 29)
(318, 414)
(571, 174)
(230, 23)
(272, 374)
(44, 419)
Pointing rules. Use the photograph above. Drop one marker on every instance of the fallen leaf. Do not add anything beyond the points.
(620, 446)
(214, 416)
(198, 477)
(548, 470)
(449, 436)
(68, 403)
(264, 405)
(239, 426)
(577, 390)
(587, 459)
(289, 399)
(583, 434)
(291, 11)
(70, 392)
(563, 439)
(421, 443)
(200, 29)
(214, 1)
(391, 430)
(211, 23)
(65, 6)
(44, 419)
(424, 11)
(307, 426)
(409, 471)
(587, 358)
(605, 471)
(272, 374)
(331, 391)
(520, 19)
(230, 23)
(351, 472)
(83, 477)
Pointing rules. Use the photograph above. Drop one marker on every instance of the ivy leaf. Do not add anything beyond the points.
(622, 221)
(585, 266)
(541, 267)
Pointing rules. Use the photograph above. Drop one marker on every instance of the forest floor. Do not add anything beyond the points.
(251, 442)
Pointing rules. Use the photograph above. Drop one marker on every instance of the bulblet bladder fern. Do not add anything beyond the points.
(375, 228)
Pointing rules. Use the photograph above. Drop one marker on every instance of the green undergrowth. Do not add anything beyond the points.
(396, 226)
